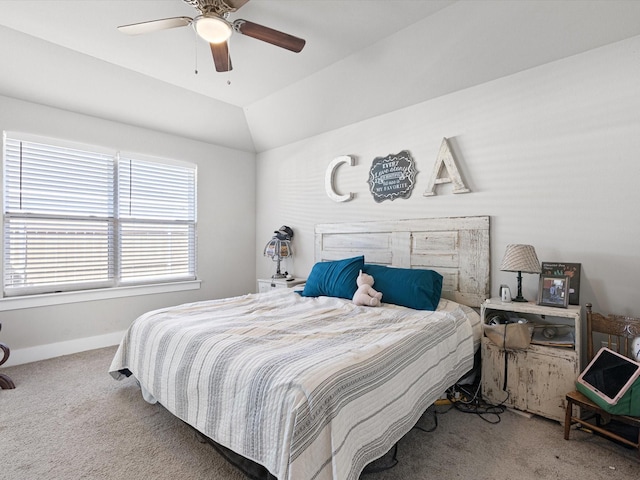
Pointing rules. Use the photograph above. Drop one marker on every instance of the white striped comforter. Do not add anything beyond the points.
(310, 388)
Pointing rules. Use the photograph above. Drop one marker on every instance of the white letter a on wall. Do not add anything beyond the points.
(445, 165)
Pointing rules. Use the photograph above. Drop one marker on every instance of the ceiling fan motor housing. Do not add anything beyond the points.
(209, 7)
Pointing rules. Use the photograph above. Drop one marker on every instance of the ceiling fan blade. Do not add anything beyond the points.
(155, 25)
(221, 57)
(236, 4)
(269, 35)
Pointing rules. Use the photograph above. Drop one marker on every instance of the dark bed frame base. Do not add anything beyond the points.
(255, 471)
(251, 469)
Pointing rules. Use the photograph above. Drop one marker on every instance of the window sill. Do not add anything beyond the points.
(46, 300)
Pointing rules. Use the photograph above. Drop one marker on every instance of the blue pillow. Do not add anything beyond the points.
(418, 289)
(334, 279)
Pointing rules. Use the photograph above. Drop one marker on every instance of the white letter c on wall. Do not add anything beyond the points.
(329, 178)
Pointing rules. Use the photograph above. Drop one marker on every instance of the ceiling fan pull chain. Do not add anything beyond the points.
(195, 50)
(228, 62)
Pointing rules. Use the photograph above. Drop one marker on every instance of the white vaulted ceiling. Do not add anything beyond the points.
(362, 58)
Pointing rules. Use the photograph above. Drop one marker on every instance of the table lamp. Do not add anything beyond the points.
(279, 247)
(520, 258)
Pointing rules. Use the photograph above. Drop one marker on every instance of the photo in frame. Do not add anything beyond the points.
(554, 290)
(570, 269)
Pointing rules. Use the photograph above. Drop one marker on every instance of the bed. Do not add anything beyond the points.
(311, 386)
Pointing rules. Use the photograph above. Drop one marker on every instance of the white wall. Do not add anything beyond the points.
(226, 232)
(551, 154)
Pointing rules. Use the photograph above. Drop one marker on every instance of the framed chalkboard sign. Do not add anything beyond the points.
(392, 176)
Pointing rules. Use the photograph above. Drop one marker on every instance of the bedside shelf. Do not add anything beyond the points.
(537, 378)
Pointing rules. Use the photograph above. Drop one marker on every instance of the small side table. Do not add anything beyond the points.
(267, 284)
(5, 381)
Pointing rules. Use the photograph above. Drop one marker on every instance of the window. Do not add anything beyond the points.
(79, 218)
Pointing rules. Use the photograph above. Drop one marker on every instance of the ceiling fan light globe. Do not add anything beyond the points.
(213, 29)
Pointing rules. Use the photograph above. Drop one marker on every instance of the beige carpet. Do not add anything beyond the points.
(68, 419)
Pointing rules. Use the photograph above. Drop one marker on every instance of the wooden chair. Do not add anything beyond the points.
(620, 332)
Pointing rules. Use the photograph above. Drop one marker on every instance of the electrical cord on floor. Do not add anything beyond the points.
(464, 398)
(434, 412)
(468, 400)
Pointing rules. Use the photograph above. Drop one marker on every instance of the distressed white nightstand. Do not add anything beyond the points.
(539, 377)
(266, 284)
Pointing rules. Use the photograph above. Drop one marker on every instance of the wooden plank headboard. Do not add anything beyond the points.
(456, 247)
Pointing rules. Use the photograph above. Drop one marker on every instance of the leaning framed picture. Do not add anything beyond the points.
(554, 290)
(563, 268)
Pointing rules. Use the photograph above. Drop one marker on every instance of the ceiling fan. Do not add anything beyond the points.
(212, 25)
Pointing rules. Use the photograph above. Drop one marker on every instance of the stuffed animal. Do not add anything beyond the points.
(366, 294)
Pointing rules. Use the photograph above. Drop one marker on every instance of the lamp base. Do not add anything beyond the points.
(519, 297)
(278, 275)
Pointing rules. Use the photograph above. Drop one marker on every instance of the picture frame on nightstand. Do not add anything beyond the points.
(553, 290)
(563, 268)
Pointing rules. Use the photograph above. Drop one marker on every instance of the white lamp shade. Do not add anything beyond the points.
(520, 258)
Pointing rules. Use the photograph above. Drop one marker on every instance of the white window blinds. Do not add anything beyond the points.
(75, 219)
(156, 221)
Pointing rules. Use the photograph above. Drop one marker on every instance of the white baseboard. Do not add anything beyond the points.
(51, 350)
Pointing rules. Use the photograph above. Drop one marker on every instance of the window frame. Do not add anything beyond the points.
(118, 288)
